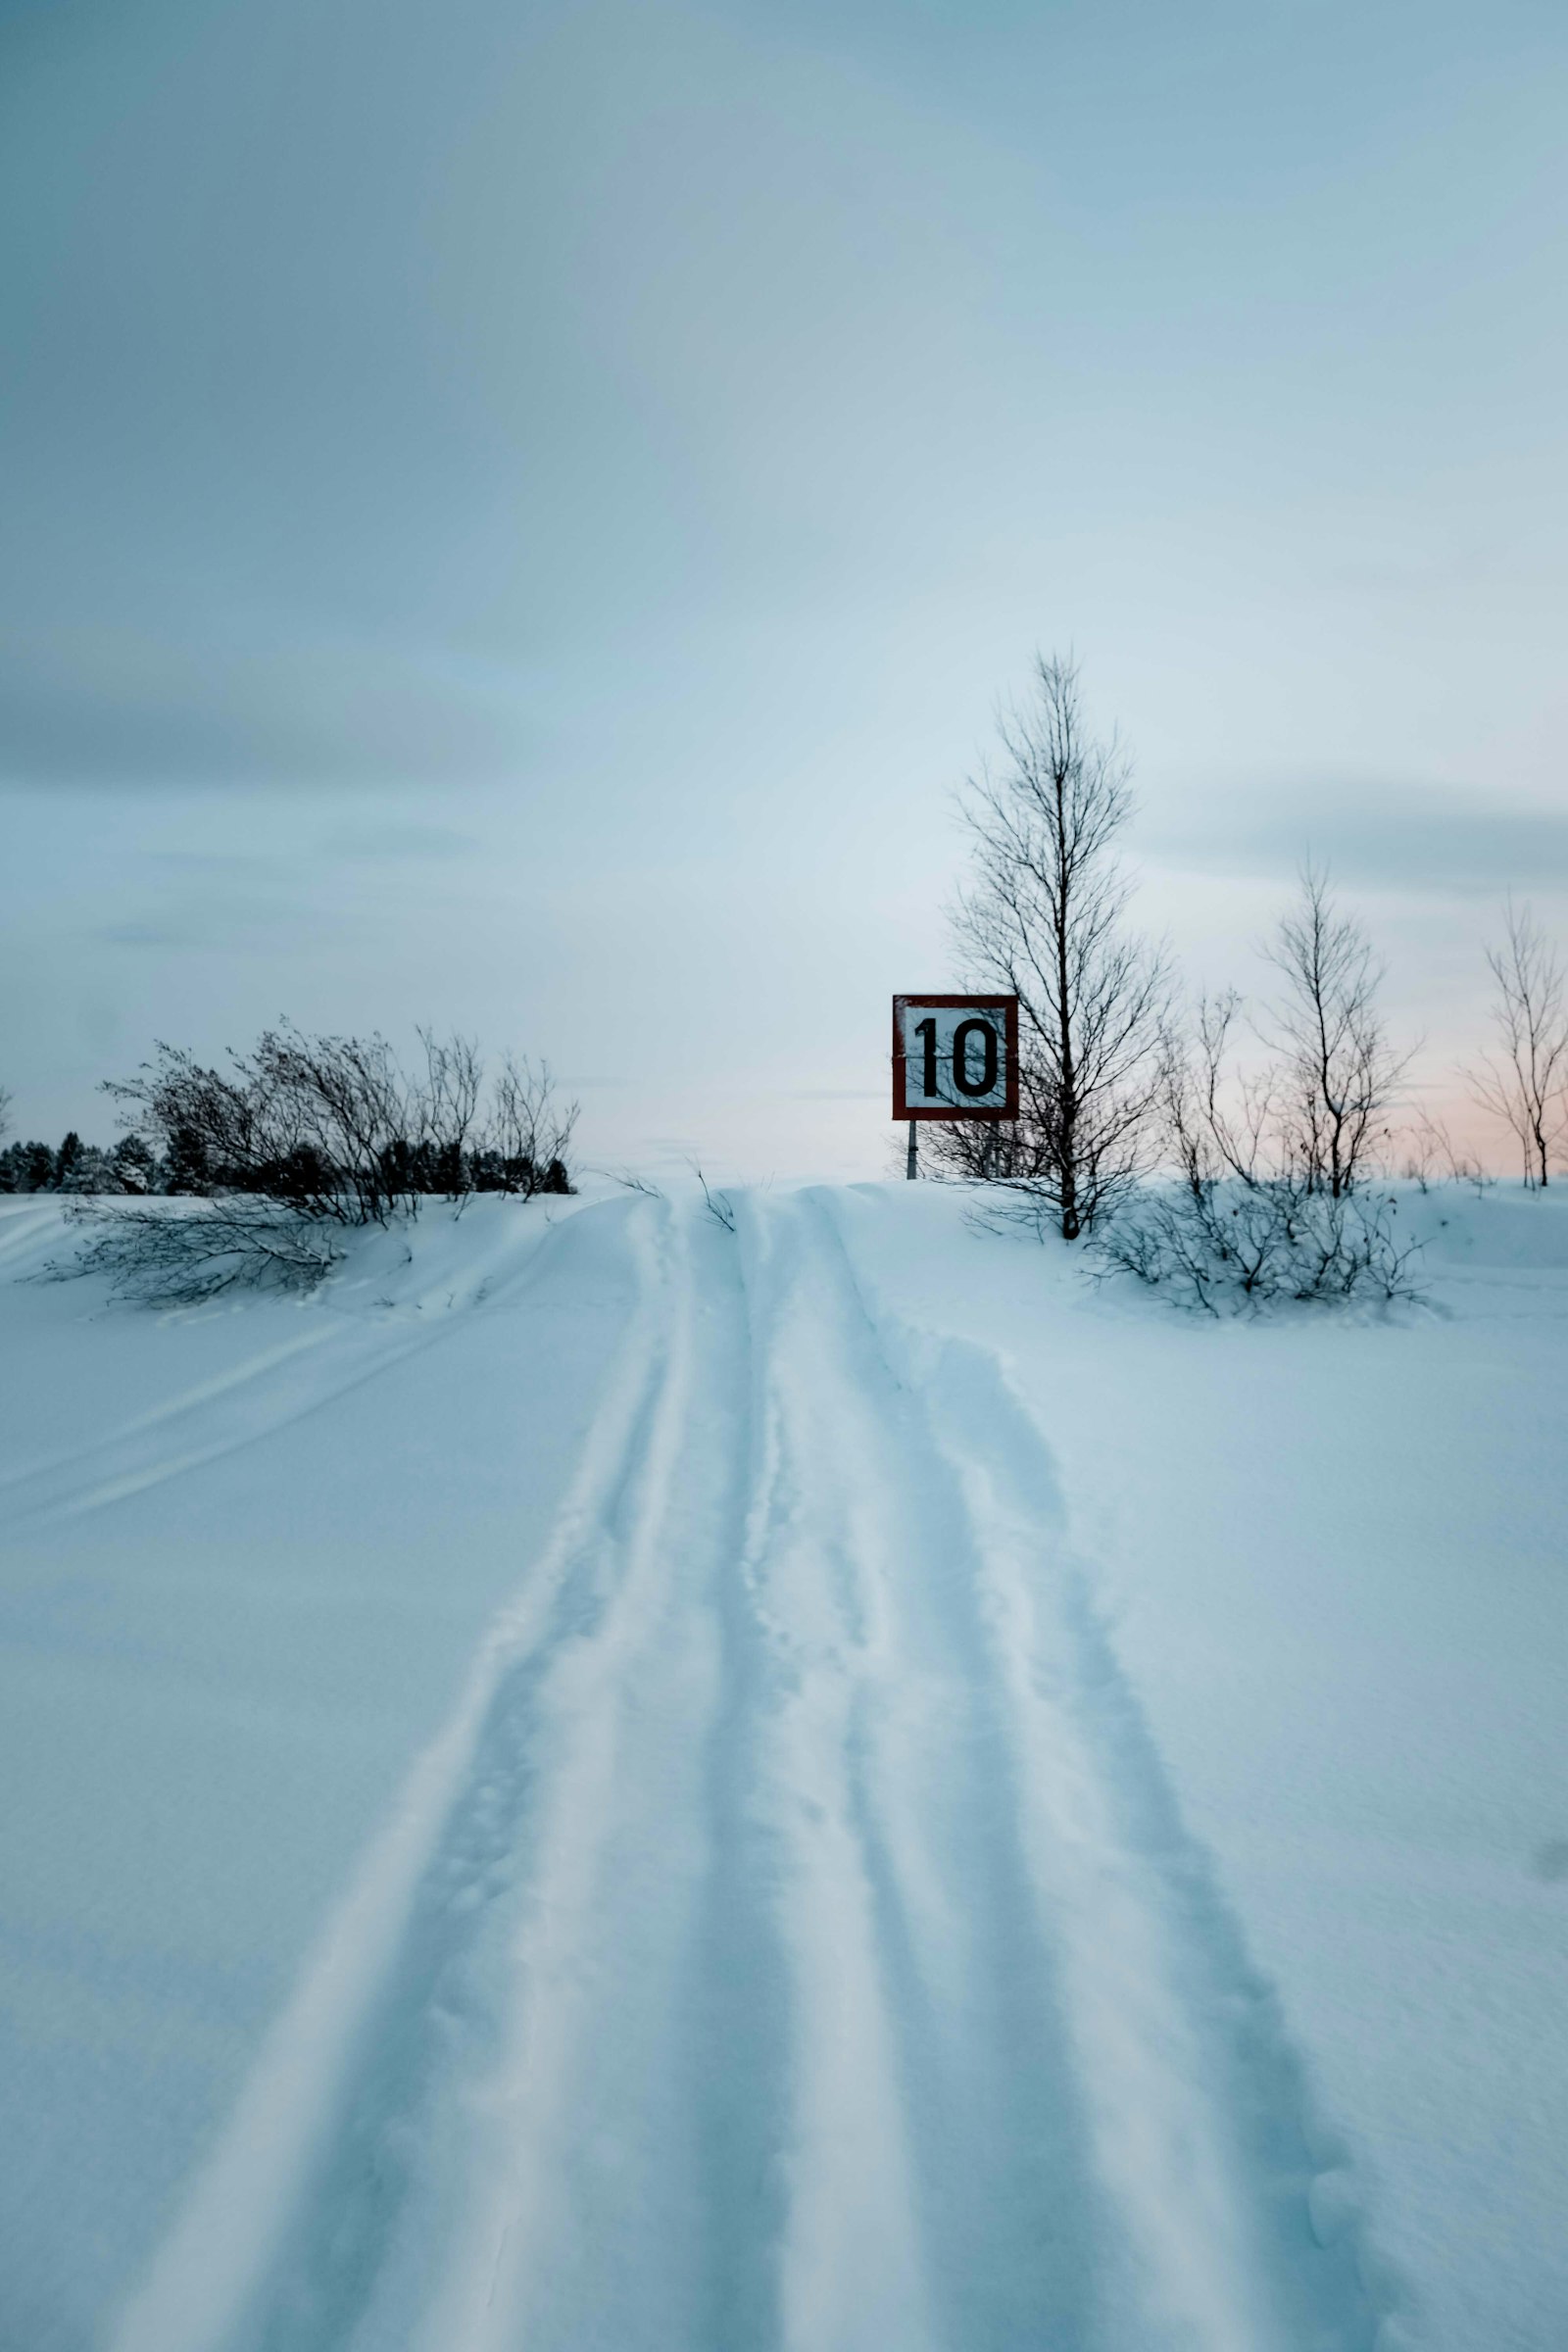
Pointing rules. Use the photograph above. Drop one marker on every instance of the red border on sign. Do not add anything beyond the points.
(901, 1107)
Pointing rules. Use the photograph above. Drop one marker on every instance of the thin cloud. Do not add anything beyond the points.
(1431, 840)
(147, 710)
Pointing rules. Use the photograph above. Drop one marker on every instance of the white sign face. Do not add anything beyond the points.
(955, 1057)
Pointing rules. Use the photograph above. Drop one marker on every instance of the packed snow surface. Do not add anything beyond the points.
(609, 1781)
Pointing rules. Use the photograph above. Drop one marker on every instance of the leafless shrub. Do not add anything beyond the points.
(1044, 919)
(1524, 1082)
(1249, 1218)
(172, 1255)
(1430, 1156)
(528, 1135)
(1223, 1245)
(445, 1107)
(306, 1136)
(335, 1129)
(327, 1127)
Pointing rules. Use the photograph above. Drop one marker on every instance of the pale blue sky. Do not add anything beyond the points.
(518, 515)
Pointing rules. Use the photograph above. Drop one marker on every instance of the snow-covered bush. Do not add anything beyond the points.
(1273, 1197)
(1224, 1243)
(295, 1143)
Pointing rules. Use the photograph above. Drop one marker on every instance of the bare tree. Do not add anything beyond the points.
(1525, 1081)
(1227, 1121)
(1043, 918)
(1338, 1074)
(529, 1131)
(5, 1112)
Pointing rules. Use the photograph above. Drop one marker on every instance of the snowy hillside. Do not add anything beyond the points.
(607, 1783)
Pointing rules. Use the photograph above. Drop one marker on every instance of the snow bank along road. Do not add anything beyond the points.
(790, 1938)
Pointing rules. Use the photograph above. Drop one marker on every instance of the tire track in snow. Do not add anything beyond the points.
(575, 2206)
(283, 2237)
(1219, 2182)
(849, 2268)
(791, 1945)
(234, 1408)
(739, 2012)
(82, 1478)
(935, 2197)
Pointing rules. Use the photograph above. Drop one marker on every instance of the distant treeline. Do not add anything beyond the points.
(132, 1167)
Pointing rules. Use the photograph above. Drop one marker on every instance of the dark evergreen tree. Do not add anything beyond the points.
(185, 1165)
(132, 1167)
(37, 1168)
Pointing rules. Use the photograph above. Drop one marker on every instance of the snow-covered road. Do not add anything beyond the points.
(791, 1939)
(582, 1791)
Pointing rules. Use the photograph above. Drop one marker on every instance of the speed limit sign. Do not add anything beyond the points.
(955, 1058)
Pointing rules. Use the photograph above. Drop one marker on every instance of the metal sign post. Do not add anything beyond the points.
(954, 1058)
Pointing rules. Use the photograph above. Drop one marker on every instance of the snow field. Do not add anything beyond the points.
(791, 1933)
(979, 2093)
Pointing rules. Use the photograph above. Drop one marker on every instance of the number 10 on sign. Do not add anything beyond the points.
(955, 1058)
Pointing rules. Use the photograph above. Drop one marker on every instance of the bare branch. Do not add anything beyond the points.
(718, 1205)
(529, 1132)
(1524, 1080)
(1338, 1075)
(166, 1254)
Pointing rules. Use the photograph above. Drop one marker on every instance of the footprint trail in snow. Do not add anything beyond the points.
(791, 1941)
